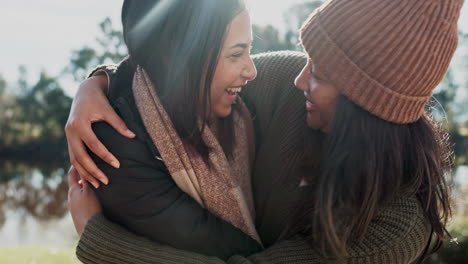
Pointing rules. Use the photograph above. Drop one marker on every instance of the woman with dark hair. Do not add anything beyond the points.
(184, 180)
(372, 188)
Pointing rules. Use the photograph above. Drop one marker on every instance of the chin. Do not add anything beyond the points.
(222, 113)
(314, 123)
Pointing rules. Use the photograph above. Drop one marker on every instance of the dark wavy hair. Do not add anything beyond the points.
(365, 162)
(178, 42)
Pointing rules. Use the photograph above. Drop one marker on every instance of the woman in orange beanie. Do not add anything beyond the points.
(373, 188)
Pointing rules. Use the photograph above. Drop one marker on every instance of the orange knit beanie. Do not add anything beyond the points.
(387, 56)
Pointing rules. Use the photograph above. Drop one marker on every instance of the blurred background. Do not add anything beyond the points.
(47, 48)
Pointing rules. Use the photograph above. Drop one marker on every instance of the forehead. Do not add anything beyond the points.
(239, 30)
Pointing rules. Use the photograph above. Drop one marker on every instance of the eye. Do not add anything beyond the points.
(237, 55)
(312, 73)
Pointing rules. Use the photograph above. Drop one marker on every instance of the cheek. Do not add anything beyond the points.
(331, 101)
(329, 105)
(218, 79)
(223, 73)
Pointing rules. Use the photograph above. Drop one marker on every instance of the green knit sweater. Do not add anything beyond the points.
(397, 234)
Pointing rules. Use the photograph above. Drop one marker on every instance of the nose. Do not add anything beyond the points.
(300, 82)
(250, 71)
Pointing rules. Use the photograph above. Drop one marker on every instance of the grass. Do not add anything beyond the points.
(38, 255)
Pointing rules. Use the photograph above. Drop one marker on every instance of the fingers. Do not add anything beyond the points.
(85, 165)
(84, 175)
(91, 105)
(116, 122)
(87, 177)
(95, 145)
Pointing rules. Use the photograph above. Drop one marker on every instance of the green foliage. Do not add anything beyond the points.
(3, 85)
(34, 116)
(298, 13)
(268, 38)
(34, 120)
(454, 251)
(110, 48)
(452, 110)
(294, 17)
(80, 61)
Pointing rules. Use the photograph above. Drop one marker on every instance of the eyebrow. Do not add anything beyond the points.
(240, 45)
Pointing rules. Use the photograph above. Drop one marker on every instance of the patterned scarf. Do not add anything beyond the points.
(224, 188)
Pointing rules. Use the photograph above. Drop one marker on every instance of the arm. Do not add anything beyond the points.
(144, 198)
(90, 105)
(398, 235)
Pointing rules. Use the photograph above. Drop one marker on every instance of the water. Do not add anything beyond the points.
(33, 205)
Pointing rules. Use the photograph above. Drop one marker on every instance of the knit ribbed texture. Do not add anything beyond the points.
(280, 127)
(105, 242)
(386, 56)
(397, 235)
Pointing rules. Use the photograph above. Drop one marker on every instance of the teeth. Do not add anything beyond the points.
(234, 90)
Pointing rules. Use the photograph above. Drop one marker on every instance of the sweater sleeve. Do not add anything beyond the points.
(143, 197)
(397, 235)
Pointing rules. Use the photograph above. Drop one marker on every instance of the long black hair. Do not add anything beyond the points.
(366, 162)
(178, 43)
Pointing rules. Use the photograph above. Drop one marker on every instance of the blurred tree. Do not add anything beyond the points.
(445, 100)
(44, 109)
(109, 48)
(451, 105)
(37, 113)
(454, 251)
(268, 38)
(22, 82)
(444, 110)
(80, 61)
(33, 127)
(32, 122)
(3, 85)
(3, 108)
(294, 17)
(7, 110)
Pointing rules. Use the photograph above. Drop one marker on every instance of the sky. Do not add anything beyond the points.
(42, 34)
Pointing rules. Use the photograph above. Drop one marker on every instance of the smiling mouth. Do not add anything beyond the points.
(233, 91)
(310, 106)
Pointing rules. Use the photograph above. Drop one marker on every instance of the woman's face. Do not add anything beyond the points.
(321, 97)
(235, 66)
